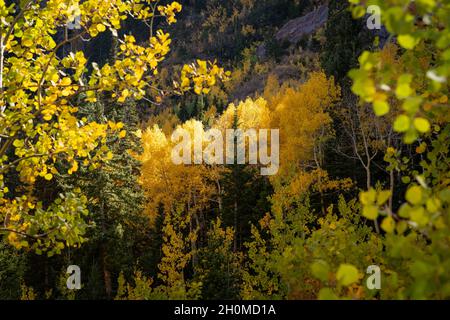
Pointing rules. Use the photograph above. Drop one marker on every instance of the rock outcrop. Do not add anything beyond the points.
(296, 29)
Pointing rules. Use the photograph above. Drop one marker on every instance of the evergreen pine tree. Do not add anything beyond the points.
(115, 197)
(346, 39)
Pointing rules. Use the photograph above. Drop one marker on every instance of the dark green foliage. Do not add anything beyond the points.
(229, 39)
(219, 267)
(276, 49)
(12, 270)
(346, 39)
(116, 198)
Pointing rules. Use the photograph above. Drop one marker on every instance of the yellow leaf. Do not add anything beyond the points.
(138, 133)
(422, 125)
(347, 274)
(382, 197)
(402, 123)
(66, 81)
(368, 197)
(370, 212)
(414, 195)
(407, 41)
(74, 168)
(388, 224)
(381, 108)
(18, 143)
(101, 27)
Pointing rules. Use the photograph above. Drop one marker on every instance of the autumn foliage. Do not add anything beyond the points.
(86, 150)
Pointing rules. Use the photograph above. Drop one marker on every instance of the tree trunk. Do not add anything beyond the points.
(235, 224)
(103, 257)
(368, 176)
(106, 273)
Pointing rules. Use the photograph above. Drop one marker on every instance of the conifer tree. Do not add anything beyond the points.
(346, 39)
(114, 194)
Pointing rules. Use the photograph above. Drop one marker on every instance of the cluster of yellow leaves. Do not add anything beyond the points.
(182, 192)
(38, 123)
(250, 115)
(145, 10)
(421, 209)
(25, 216)
(166, 183)
(202, 76)
(169, 11)
(302, 115)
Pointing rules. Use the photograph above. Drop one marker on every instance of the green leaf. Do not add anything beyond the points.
(358, 12)
(327, 294)
(403, 89)
(411, 105)
(401, 227)
(407, 41)
(363, 86)
(404, 211)
(433, 205)
(444, 195)
(320, 270)
(402, 123)
(18, 33)
(397, 21)
(419, 216)
(347, 274)
(410, 136)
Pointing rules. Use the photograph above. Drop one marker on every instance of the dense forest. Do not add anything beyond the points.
(92, 93)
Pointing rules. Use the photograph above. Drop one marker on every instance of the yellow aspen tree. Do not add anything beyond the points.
(180, 194)
(302, 114)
